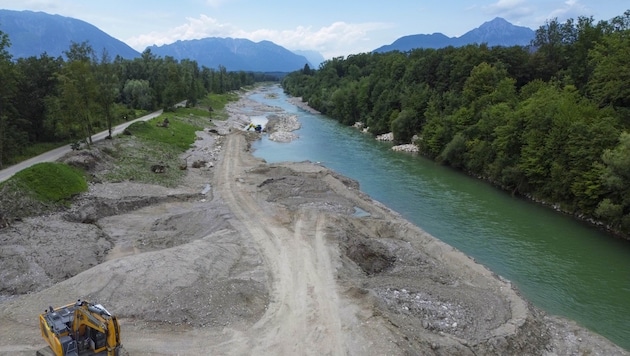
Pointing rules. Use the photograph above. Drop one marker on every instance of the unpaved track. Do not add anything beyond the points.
(304, 316)
(303, 303)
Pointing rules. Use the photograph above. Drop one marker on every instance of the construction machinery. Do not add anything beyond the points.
(79, 329)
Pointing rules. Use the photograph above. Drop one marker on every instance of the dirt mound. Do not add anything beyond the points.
(39, 252)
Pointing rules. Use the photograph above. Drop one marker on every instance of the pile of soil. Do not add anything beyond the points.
(247, 258)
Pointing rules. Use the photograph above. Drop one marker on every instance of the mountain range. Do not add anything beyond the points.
(234, 54)
(34, 33)
(497, 32)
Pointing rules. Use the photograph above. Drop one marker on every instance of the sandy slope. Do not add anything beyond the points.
(272, 260)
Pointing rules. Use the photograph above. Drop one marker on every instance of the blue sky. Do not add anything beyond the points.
(331, 27)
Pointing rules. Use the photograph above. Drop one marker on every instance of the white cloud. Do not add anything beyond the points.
(571, 9)
(337, 39)
(511, 9)
(196, 28)
(507, 4)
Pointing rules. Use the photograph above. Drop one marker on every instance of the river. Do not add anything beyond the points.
(561, 265)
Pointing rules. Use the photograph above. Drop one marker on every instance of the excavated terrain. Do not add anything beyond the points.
(250, 258)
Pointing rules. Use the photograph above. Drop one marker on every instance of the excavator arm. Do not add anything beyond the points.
(93, 324)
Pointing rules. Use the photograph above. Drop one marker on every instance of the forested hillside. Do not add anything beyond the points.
(52, 100)
(549, 121)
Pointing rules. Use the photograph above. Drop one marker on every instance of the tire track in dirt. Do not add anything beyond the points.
(302, 317)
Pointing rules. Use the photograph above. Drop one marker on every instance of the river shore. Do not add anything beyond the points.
(251, 258)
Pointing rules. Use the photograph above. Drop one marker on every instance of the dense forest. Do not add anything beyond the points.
(46, 100)
(549, 121)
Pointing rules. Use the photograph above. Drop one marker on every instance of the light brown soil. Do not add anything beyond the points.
(274, 259)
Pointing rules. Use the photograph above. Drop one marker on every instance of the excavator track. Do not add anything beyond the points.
(46, 351)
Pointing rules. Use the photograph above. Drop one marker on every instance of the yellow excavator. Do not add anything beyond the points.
(79, 329)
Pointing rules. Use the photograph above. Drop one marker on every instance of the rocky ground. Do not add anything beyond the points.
(250, 258)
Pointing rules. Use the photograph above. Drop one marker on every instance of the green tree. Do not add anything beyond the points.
(453, 153)
(345, 102)
(107, 89)
(611, 73)
(76, 102)
(616, 208)
(481, 151)
(405, 126)
(550, 41)
(414, 102)
(11, 140)
(594, 132)
(191, 80)
(587, 35)
(307, 70)
(507, 145)
(438, 130)
(174, 84)
(537, 153)
(487, 85)
(137, 94)
(37, 81)
(617, 173)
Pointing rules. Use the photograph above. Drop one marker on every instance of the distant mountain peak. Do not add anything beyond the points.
(497, 32)
(497, 20)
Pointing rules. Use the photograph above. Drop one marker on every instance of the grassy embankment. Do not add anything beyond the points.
(46, 187)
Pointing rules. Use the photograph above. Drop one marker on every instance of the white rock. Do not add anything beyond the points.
(386, 137)
(406, 148)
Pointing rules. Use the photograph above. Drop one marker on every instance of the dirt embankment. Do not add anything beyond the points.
(249, 258)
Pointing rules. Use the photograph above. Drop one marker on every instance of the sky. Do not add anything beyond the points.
(333, 28)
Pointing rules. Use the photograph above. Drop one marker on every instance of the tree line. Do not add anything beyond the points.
(69, 98)
(548, 121)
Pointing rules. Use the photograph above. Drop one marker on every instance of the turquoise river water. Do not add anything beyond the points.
(561, 265)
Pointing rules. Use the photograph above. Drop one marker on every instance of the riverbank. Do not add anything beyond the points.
(247, 257)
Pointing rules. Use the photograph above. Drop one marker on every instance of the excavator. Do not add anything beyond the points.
(80, 329)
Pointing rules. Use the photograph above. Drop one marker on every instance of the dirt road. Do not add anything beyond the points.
(303, 292)
(306, 314)
(249, 258)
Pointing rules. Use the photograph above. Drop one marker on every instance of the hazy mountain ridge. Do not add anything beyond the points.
(314, 58)
(234, 54)
(34, 33)
(497, 32)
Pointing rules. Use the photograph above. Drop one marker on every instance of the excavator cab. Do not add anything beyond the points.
(55, 327)
(80, 329)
